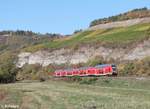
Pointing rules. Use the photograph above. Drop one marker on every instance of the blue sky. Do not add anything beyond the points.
(60, 16)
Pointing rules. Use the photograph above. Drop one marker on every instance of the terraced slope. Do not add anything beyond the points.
(124, 35)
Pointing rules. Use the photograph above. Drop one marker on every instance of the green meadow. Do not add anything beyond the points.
(105, 93)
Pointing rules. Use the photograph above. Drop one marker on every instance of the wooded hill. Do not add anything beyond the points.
(136, 13)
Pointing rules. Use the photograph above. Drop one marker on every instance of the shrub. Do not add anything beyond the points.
(139, 67)
(28, 72)
(8, 70)
(34, 72)
(95, 61)
(128, 69)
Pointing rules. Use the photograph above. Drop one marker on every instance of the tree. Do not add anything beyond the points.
(8, 69)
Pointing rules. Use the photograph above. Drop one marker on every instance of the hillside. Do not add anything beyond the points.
(117, 43)
(16, 40)
(120, 36)
(123, 46)
(25, 56)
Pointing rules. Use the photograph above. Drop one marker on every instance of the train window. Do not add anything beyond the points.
(81, 72)
(69, 73)
(57, 73)
(113, 65)
(75, 72)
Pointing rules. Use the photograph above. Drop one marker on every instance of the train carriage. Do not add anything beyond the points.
(99, 70)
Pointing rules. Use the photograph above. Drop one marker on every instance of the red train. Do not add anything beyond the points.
(99, 70)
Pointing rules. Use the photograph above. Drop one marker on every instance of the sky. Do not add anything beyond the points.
(60, 16)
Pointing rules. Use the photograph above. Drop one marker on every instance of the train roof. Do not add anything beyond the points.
(102, 65)
(73, 69)
(84, 68)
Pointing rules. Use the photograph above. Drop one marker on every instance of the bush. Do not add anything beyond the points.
(95, 61)
(34, 72)
(8, 69)
(128, 69)
(139, 68)
(28, 72)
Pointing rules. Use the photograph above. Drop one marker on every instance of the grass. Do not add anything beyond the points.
(105, 93)
(120, 36)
